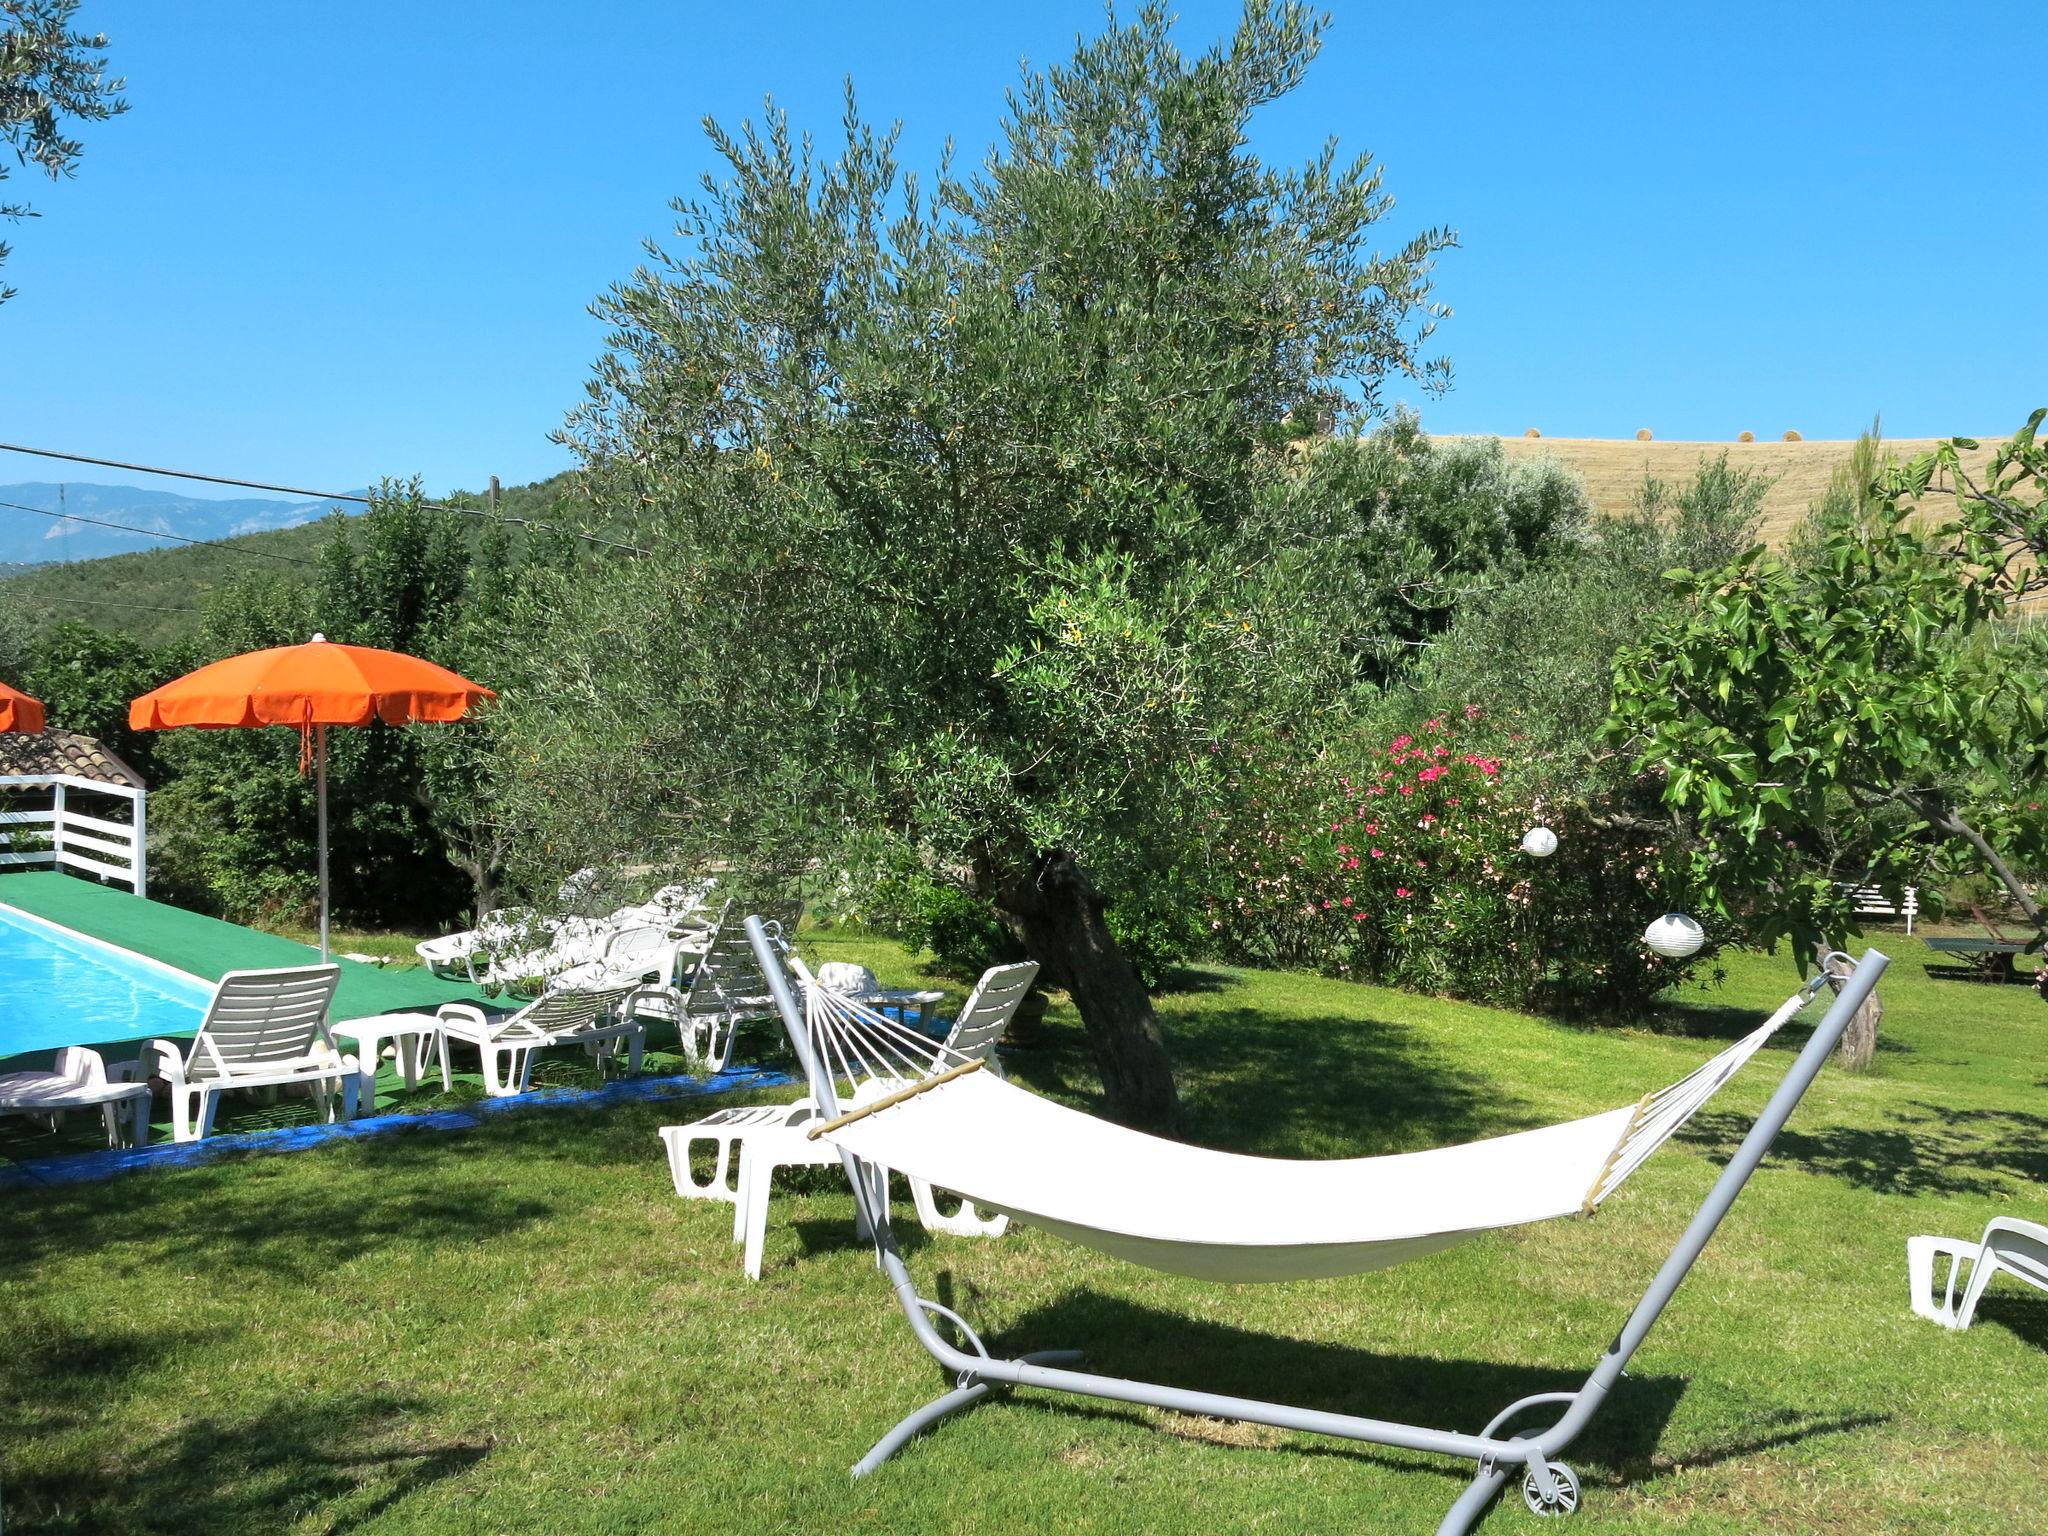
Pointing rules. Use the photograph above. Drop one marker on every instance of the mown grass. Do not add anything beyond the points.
(519, 1328)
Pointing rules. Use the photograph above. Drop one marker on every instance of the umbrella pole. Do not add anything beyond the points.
(320, 769)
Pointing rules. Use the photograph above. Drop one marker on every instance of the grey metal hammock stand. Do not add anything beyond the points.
(1549, 1487)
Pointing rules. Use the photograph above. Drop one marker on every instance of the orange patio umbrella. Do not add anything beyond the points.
(310, 687)
(19, 712)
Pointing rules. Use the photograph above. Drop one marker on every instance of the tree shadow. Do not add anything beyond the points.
(1122, 1338)
(1933, 1150)
(352, 1455)
(1329, 1086)
(393, 1189)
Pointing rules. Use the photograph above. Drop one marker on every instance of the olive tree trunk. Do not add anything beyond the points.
(1057, 914)
(1858, 1049)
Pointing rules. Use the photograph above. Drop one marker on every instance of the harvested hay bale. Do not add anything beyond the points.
(1793, 437)
(1745, 437)
(1532, 432)
(1642, 434)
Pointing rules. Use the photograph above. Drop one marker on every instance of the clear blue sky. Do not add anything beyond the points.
(332, 243)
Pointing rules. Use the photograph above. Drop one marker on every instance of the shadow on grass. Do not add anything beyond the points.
(2025, 1317)
(269, 1216)
(1124, 1339)
(1933, 1150)
(350, 1456)
(1326, 1086)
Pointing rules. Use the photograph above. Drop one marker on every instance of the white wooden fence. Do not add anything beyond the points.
(41, 823)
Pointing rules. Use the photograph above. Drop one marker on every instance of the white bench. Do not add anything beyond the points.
(1872, 902)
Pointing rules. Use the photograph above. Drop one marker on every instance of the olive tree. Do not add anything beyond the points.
(970, 509)
(50, 76)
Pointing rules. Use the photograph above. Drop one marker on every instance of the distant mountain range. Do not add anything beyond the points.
(28, 539)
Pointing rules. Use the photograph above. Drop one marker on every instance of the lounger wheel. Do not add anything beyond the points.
(1565, 1499)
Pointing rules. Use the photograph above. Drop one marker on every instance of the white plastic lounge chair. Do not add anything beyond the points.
(768, 1137)
(725, 990)
(1217, 1215)
(2009, 1246)
(973, 1036)
(263, 1029)
(78, 1080)
(593, 1019)
(463, 956)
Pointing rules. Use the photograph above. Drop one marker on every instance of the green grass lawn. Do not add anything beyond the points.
(520, 1328)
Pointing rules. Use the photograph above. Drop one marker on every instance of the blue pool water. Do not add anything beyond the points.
(61, 988)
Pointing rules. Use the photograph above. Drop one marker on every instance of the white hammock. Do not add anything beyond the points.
(1220, 1215)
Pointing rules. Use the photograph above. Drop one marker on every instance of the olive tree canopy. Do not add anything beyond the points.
(972, 510)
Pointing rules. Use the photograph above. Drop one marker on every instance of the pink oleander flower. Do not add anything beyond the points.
(1403, 892)
(1407, 789)
(1379, 853)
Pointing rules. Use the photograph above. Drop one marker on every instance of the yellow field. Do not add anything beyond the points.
(1614, 469)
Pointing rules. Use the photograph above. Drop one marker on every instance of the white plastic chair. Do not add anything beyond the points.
(592, 1019)
(263, 1029)
(748, 1144)
(2009, 1246)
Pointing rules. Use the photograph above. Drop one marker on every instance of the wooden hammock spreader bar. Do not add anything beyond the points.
(1621, 1146)
(925, 1085)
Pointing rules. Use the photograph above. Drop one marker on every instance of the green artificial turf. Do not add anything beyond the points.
(520, 1328)
(208, 948)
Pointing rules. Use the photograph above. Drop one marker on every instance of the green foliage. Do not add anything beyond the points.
(970, 505)
(237, 819)
(162, 596)
(1402, 864)
(85, 678)
(1418, 529)
(1837, 721)
(48, 74)
(1537, 654)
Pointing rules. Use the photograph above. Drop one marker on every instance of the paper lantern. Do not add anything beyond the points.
(1675, 936)
(1539, 842)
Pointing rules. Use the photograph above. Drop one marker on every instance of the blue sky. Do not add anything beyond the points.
(332, 243)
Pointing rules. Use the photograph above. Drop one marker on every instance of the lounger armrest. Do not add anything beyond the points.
(156, 1058)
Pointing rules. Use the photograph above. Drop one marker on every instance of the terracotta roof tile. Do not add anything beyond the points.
(55, 751)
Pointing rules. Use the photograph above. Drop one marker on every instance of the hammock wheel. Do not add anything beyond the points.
(1563, 1498)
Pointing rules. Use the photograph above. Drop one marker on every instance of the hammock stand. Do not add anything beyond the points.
(1549, 1487)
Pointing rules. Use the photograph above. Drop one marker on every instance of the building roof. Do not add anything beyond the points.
(55, 751)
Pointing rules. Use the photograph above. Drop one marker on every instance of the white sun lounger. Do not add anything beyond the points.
(2009, 1246)
(263, 1029)
(593, 1019)
(78, 1080)
(768, 1137)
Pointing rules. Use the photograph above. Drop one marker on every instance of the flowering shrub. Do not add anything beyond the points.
(1404, 865)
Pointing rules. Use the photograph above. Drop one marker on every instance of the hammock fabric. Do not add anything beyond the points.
(1220, 1215)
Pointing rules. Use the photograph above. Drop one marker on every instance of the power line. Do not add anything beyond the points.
(295, 490)
(154, 533)
(58, 605)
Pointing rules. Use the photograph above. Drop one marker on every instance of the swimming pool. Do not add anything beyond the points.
(61, 988)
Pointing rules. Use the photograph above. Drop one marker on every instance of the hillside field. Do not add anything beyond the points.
(1614, 468)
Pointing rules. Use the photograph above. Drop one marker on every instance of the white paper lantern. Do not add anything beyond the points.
(1675, 936)
(1539, 842)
